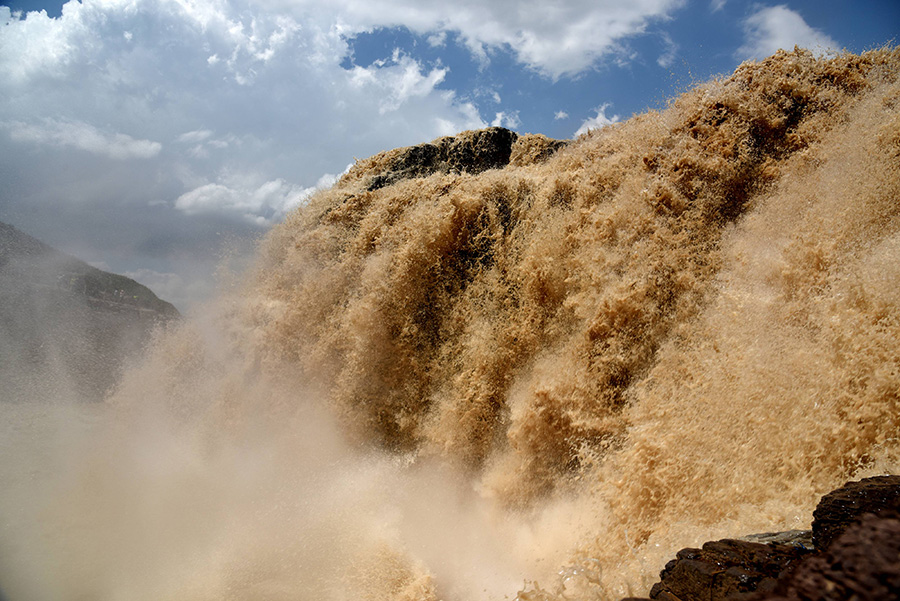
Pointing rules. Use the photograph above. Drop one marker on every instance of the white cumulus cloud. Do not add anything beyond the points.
(261, 204)
(666, 59)
(508, 120)
(778, 27)
(396, 80)
(598, 121)
(194, 137)
(554, 38)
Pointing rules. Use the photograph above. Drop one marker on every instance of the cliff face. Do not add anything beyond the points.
(66, 328)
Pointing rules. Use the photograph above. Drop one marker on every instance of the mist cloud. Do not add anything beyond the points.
(82, 136)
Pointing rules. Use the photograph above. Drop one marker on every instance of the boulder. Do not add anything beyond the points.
(469, 152)
(852, 552)
(840, 508)
(725, 569)
(862, 563)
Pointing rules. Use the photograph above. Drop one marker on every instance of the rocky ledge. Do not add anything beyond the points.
(469, 152)
(852, 552)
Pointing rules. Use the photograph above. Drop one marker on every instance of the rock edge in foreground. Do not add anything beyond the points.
(852, 552)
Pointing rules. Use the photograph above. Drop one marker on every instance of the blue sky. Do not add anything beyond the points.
(146, 136)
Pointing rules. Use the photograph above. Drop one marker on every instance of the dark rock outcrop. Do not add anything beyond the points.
(67, 328)
(797, 538)
(725, 569)
(852, 552)
(468, 152)
(862, 563)
(474, 153)
(840, 508)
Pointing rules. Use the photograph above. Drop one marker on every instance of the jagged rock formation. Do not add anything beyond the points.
(66, 328)
(856, 555)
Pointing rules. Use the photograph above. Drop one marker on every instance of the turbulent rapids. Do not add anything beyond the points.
(539, 377)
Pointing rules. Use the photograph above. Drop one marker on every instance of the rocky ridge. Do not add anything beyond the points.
(67, 328)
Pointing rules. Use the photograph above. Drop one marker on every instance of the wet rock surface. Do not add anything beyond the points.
(863, 563)
(479, 151)
(725, 569)
(797, 538)
(852, 552)
(838, 509)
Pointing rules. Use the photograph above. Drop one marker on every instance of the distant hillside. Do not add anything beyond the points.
(66, 328)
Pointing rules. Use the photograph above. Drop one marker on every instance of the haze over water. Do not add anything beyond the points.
(541, 380)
